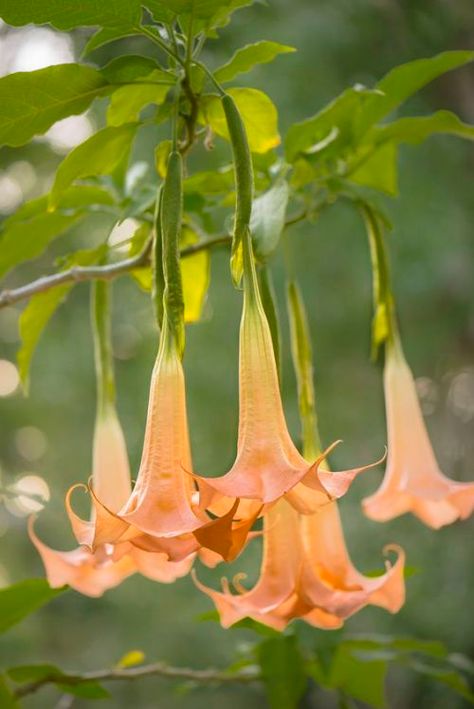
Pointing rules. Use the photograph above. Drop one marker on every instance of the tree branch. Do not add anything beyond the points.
(77, 274)
(157, 669)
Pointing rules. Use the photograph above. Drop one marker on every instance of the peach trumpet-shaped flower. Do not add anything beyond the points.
(94, 572)
(306, 573)
(268, 464)
(413, 481)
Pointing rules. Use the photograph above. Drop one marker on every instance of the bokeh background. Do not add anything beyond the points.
(339, 42)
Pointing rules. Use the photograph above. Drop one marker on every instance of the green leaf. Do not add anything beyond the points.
(128, 68)
(378, 170)
(449, 677)
(99, 155)
(24, 240)
(21, 599)
(362, 680)
(66, 14)
(27, 232)
(195, 272)
(210, 182)
(270, 306)
(106, 35)
(7, 700)
(249, 56)
(202, 9)
(405, 80)
(332, 126)
(87, 690)
(283, 671)
(268, 219)
(31, 102)
(258, 113)
(42, 306)
(415, 130)
(127, 102)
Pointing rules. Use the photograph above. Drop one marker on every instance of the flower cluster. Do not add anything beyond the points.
(173, 515)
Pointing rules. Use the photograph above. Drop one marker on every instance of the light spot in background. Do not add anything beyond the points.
(9, 377)
(11, 194)
(428, 394)
(31, 493)
(31, 443)
(126, 340)
(122, 232)
(69, 132)
(9, 325)
(34, 48)
(461, 395)
(24, 173)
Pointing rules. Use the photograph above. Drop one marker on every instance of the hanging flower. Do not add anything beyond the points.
(413, 481)
(306, 573)
(268, 464)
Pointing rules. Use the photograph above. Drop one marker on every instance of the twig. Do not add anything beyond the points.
(77, 274)
(158, 669)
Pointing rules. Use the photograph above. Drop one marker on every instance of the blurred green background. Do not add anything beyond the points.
(339, 42)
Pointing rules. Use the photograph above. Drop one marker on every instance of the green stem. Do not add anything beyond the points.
(211, 77)
(100, 307)
(143, 29)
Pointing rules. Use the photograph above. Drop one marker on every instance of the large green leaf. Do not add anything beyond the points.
(249, 56)
(416, 129)
(258, 114)
(42, 306)
(405, 80)
(21, 599)
(202, 9)
(127, 102)
(377, 168)
(66, 14)
(332, 126)
(268, 219)
(129, 67)
(7, 700)
(283, 671)
(99, 155)
(30, 102)
(27, 232)
(361, 679)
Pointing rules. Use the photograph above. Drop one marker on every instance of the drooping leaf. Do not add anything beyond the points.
(362, 680)
(332, 126)
(283, 672)
(378, 170)
(416, 129)
(249, 56)
(127, 102)
(7, 700)
(258, 113)
(67, 14)
(201, 9)
(404, 81)
(27, 232)
(31, 102)
(129, 67)
(21, 599)
(24, 240)
(40, 309)
(268, 219)
(99, 155)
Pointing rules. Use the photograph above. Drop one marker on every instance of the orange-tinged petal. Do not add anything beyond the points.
(161, 502)
(81, 569)
(157, 567)
(224, 536)
(413, 481)
(110, 467)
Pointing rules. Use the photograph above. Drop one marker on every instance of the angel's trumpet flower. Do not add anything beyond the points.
(92, 573)
(413, 481)
(307, 573)
(267, 465)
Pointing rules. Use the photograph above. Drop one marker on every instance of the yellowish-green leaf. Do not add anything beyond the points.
(258, 114)
(268, 219)
(378, 169)
(98, 155)
(128, 102)
(162, 152)
(249, 56)
(195, 271)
